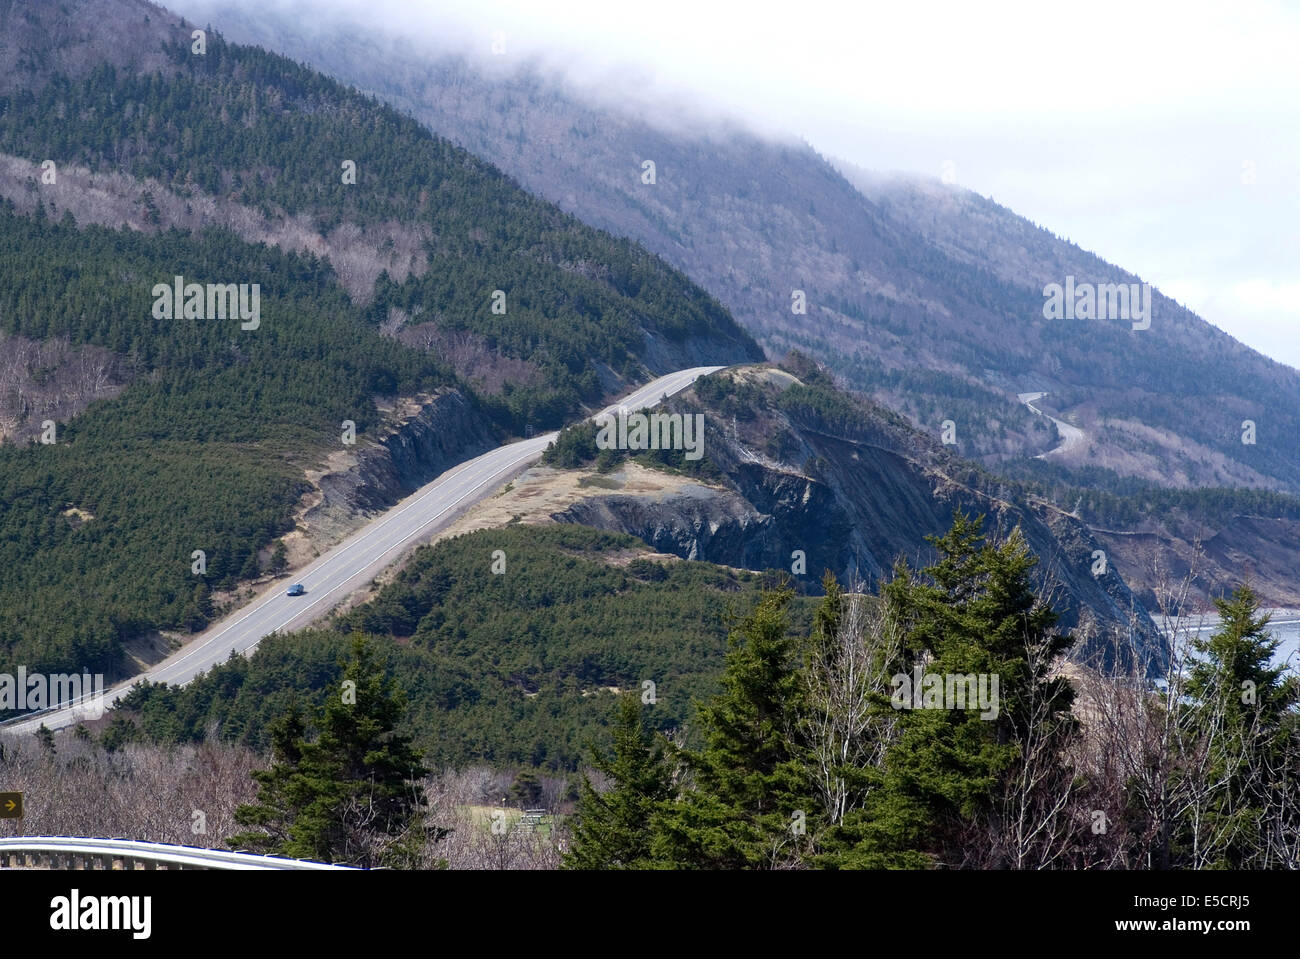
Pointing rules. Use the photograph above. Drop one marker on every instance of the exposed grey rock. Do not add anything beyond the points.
(443, 430)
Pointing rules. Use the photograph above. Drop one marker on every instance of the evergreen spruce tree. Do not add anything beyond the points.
(750, 804)
(526, 791)
(1242, 700)
(279, 557)
(274, 812)
(613, 829)
(45, 736)
(974, 611)
(351, 795)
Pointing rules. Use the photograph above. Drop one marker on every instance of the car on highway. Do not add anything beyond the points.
(295, 590)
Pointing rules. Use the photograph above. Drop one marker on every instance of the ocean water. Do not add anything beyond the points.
(1284, 625)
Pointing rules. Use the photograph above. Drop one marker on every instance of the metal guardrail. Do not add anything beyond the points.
(156, 853)
(36, 713)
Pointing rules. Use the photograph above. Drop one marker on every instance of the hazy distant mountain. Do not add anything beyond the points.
(927, 297)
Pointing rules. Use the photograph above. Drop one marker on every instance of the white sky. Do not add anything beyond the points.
(1165, 137)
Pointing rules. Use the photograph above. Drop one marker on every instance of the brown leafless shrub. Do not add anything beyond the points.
(52, 379)
(466, 352)
(842, 724)
(469, 830)
(147, 793)
(1150, 761)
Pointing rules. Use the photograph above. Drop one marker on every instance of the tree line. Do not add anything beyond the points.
(808, 757)
(510, 669)
(805, 761)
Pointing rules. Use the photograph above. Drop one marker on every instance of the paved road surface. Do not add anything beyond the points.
(356, 561)
(1071, 436)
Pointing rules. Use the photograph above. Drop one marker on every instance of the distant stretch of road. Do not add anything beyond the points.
(356, 561)
(1071, 436)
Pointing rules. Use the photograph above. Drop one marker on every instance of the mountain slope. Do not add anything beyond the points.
(926, 297)
(518, 668)
(906, 300)
(238, 125)
(185, 430)
(1167, 407)
(798, 475)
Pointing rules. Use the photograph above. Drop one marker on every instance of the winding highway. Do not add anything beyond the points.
(352, 563)
(1071, 436)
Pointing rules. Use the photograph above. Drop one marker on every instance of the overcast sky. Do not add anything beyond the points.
(1163, 137)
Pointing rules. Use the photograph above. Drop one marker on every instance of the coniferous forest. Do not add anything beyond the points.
(887, 616)
(727, 723)
(205, 447)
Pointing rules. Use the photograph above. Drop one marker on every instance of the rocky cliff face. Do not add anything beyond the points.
(699, 523)
(426, 436)
(853, 495)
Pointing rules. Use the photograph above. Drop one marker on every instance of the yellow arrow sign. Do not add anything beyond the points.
(11, 805)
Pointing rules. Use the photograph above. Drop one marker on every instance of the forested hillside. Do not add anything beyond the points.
(519, 667)
(1162, 536)
(579, 307)
(205, 440)
(205, 449)
(922, 295)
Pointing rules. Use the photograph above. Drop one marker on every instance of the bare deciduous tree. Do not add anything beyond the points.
(846, 681)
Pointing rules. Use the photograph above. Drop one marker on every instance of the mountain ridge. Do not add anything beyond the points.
(908, 301)
(904, 318)
(184, 456)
